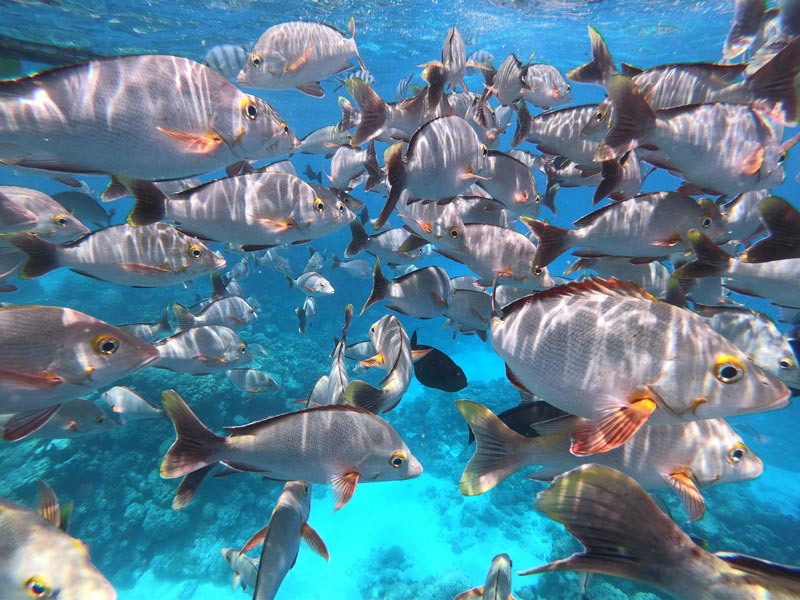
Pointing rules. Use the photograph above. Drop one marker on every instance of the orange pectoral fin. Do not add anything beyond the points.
(302, 61)
(313, 539)
(144, 269)
(344, 486)
(752, 163)
(375, 361)
(614, 429)
(276, 226)
(417, 354)
(16, 379)
(683, 482)
(476, 592)
(257, 539)
(194, 143)
(672, 240)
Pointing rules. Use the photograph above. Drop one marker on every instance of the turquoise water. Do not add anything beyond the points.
(401, 540)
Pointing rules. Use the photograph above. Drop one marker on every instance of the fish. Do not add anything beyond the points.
(423, 293)
(438, 224)
(444, 157)
(625, 534)
(357, 269)
(202, 350)
(385, 244)
(245, 570)
(621, 340)
(436, 369)
(645, 226)
(337, 376)
(177, 118)
(349, 163)
(312, 283)
(302, 319)
(317, 445)
(524, 417)
(51, 354)
(149, 332)
(545, 87)
(498, 582)
(454, 58)
(126, 405)
(747, 18)
(14, 217)
(288, 525)
(230, 311)
(479, 61)
(741, 216)
(227, 59)
(298, 54)
(394, 354)
(776, 280)
(470, 312)
(684, 457)
(74, 418)
(508, 83)
(653, 277)
(252, 381)
(559, 132)
(782, 221)
(324, 140)
(41, 559)
(54, 224)
(85, 208)
(274, 261)
(156, 255)
(511, 183)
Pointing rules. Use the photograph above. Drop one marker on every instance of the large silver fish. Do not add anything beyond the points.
(154, 255)
(42, 561)
(625, 534)
(252, 381)
(298, 54)
(141, 117)
(610, 352)
(339, 445)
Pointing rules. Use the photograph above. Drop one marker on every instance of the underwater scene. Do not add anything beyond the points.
(507, 292)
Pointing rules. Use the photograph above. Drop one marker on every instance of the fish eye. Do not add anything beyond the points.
(285, 128)
(737, 453)
(786, 362)
(61, 220)
(538, 271)
(100, 419)
(454, 233)
(706, 222)
(255, 59)
(729, 369)
(484, 150)
(319, 205)
(599, 116)
(105, 344)
(397, 459)
(569, 87)
(305, 489)
(195, 251)
(242, 348)
(781, 158)
(36, 587)
(250, 110)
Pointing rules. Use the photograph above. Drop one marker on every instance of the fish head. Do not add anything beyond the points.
(238, 353)
(599, 123)
(83, 417)
(256, 130)
(721, 456)
(296, 495)
(60, 227)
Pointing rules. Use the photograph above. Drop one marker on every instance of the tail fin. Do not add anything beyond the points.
(150, 202)
(710, 260)
(783, 222)
(374, 174)
(196, 445)
(396, 173)
(373, 111)
(633, 119)
(360, 393)
(774, 81)
(553, 241)
(350, 115)
(523, 125)
(164, 326)
(495, 457)
(612, 175)
(360, 239)
(42, 255)
(337, 262)
(380, 286)
(186, 320)
(622, 530)
(601, 67)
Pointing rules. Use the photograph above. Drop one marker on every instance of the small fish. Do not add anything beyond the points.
(312, 283)
(436, 369)
(41, 560)
(545, 87)
(245, 570)
(357, 269)
(74, 418)
(154, 255)
(324, 140)
(317, 445)
(252, 381)
(497, 585)
(384, 245)
(652, 277)
(511, 183)
(302, 319)
(202, 350)
(508, 83)
(128, 405)
(54, 224)
(274, 261)
(470, 312)
(85, 208)
(298, 54)
(231, 311)
(625, 534)
(423, 293)
(226, 59)
(631, 376)
(288, 525)
(349, 163)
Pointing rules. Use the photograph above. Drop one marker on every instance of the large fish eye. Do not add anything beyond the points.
(786, 362)
(250, 110)
(781, 158)
(340, 206)
(255, 59)
(243, 348)
(706, 222)
(195, 251)
(454, 233)
(105, 344)
(319, 205)
(729, 369)
(737, 453)
(36, 587)
(397, 459)
(61, 220)
(600, 115)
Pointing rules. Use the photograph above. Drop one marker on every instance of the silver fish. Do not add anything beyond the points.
(651, 276)
(358, 268)
(202, 350)
(14, 217)
(508, 83)
(337, 377)
(454, 58)
(231, 311)
(385, 245)
(226, 59)
(252, 381)
(747, 18)
(244, 569)
(128, 405)
(312, 283)
(74, 418)
(423, 293)
(317, 445)
(545, 87)
(439, 224)
(348, 163)
(54, 222)
(511, 183)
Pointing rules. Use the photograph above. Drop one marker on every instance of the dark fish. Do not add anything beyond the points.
(524, 416)
(437, 370)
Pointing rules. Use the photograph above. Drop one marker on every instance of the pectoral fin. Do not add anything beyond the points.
(144, 269)
(24, 424)
(312, 89)
(205, 359)
(752, 163)
(375, 361)
(672, 240)
(313, 539)
(256, 540)
(195, 143)
(16, 379)
(476, 592)
(300, 62)
(344, 486)
(615, 428)
(683, 482)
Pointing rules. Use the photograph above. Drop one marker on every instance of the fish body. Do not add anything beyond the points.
(226, 59)
(51, 354)
(149, 332)
(470, 310)
(348, 163)
(340, 445)
(545, 87)
(244, 569)
(230, 311)
(178, 118)
(74, 418)
(324, 140)
(54, 222)
(154, 255)
(625, 534)
(274, 261)
(252, 381)
(312, 283)
(202, 350)
(625, 345)
(439, 224)
(357, 268)
(511, 183)
(454, 58)
(498, 582)
(509, 84)
(558, 132)
(338, 379)
(423, 293)
(651, 276)
(298, 54)
(741, 216)
(128, 405)
(39, 558)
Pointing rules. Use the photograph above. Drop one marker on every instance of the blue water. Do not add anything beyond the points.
(417, 539)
